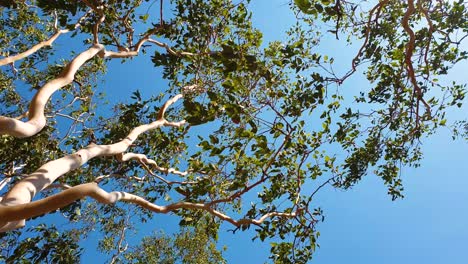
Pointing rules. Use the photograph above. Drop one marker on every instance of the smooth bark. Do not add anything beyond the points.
(54, 202)
(36, 116)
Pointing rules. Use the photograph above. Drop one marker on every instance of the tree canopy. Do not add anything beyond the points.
(245, 133)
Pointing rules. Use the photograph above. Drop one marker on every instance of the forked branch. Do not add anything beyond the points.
(25, 190)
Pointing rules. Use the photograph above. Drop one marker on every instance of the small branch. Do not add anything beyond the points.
(262, 179)
(144, 160)
(116, 175)
(22, 115)
(161, 21)
(120, 249)
(136, 50)
(128, 28)
(431, 31)
(169, 49)
(61, 186)
(4, 183)
(192, 89)
(70, 117)
(10, 174)
(96, 29)
(72, 102)
(32, 50)
(377, 8)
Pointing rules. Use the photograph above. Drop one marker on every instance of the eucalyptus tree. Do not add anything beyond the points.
(262, 127)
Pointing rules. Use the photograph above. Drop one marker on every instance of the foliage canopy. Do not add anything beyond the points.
(267, 124)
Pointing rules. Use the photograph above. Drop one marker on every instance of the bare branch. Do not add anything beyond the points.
(96, 29)
(136, 50)
(116, 175)
(169, 49)
(121, 249)
(377, 8)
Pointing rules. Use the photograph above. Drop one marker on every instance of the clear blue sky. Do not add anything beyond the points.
(362, 225)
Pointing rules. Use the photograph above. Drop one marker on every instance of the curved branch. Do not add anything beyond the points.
(32, 50)
(25, 189)
(410, 46)
(169, 49)
(136, 49)
(20, 212)
(354, 62)
(144, 160)
(431, 31)
(42, 44)
(37, 119)
(96, 29)
(116, 175)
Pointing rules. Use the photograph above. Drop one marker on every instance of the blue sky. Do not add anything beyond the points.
(362, 225)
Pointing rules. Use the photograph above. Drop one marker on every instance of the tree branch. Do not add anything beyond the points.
(134, 52)
(20, 212)
(409, 64)
(37, 119)
(377, 8)
(144, 160)
(42, 44)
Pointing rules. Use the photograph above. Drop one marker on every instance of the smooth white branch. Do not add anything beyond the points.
(136, 49)
(42, 44)
(145, 161)
(24, 211)
(37, 119)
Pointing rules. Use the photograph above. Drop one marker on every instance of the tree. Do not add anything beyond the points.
(274, 118)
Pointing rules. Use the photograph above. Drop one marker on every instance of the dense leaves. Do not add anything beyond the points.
(47, 246)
